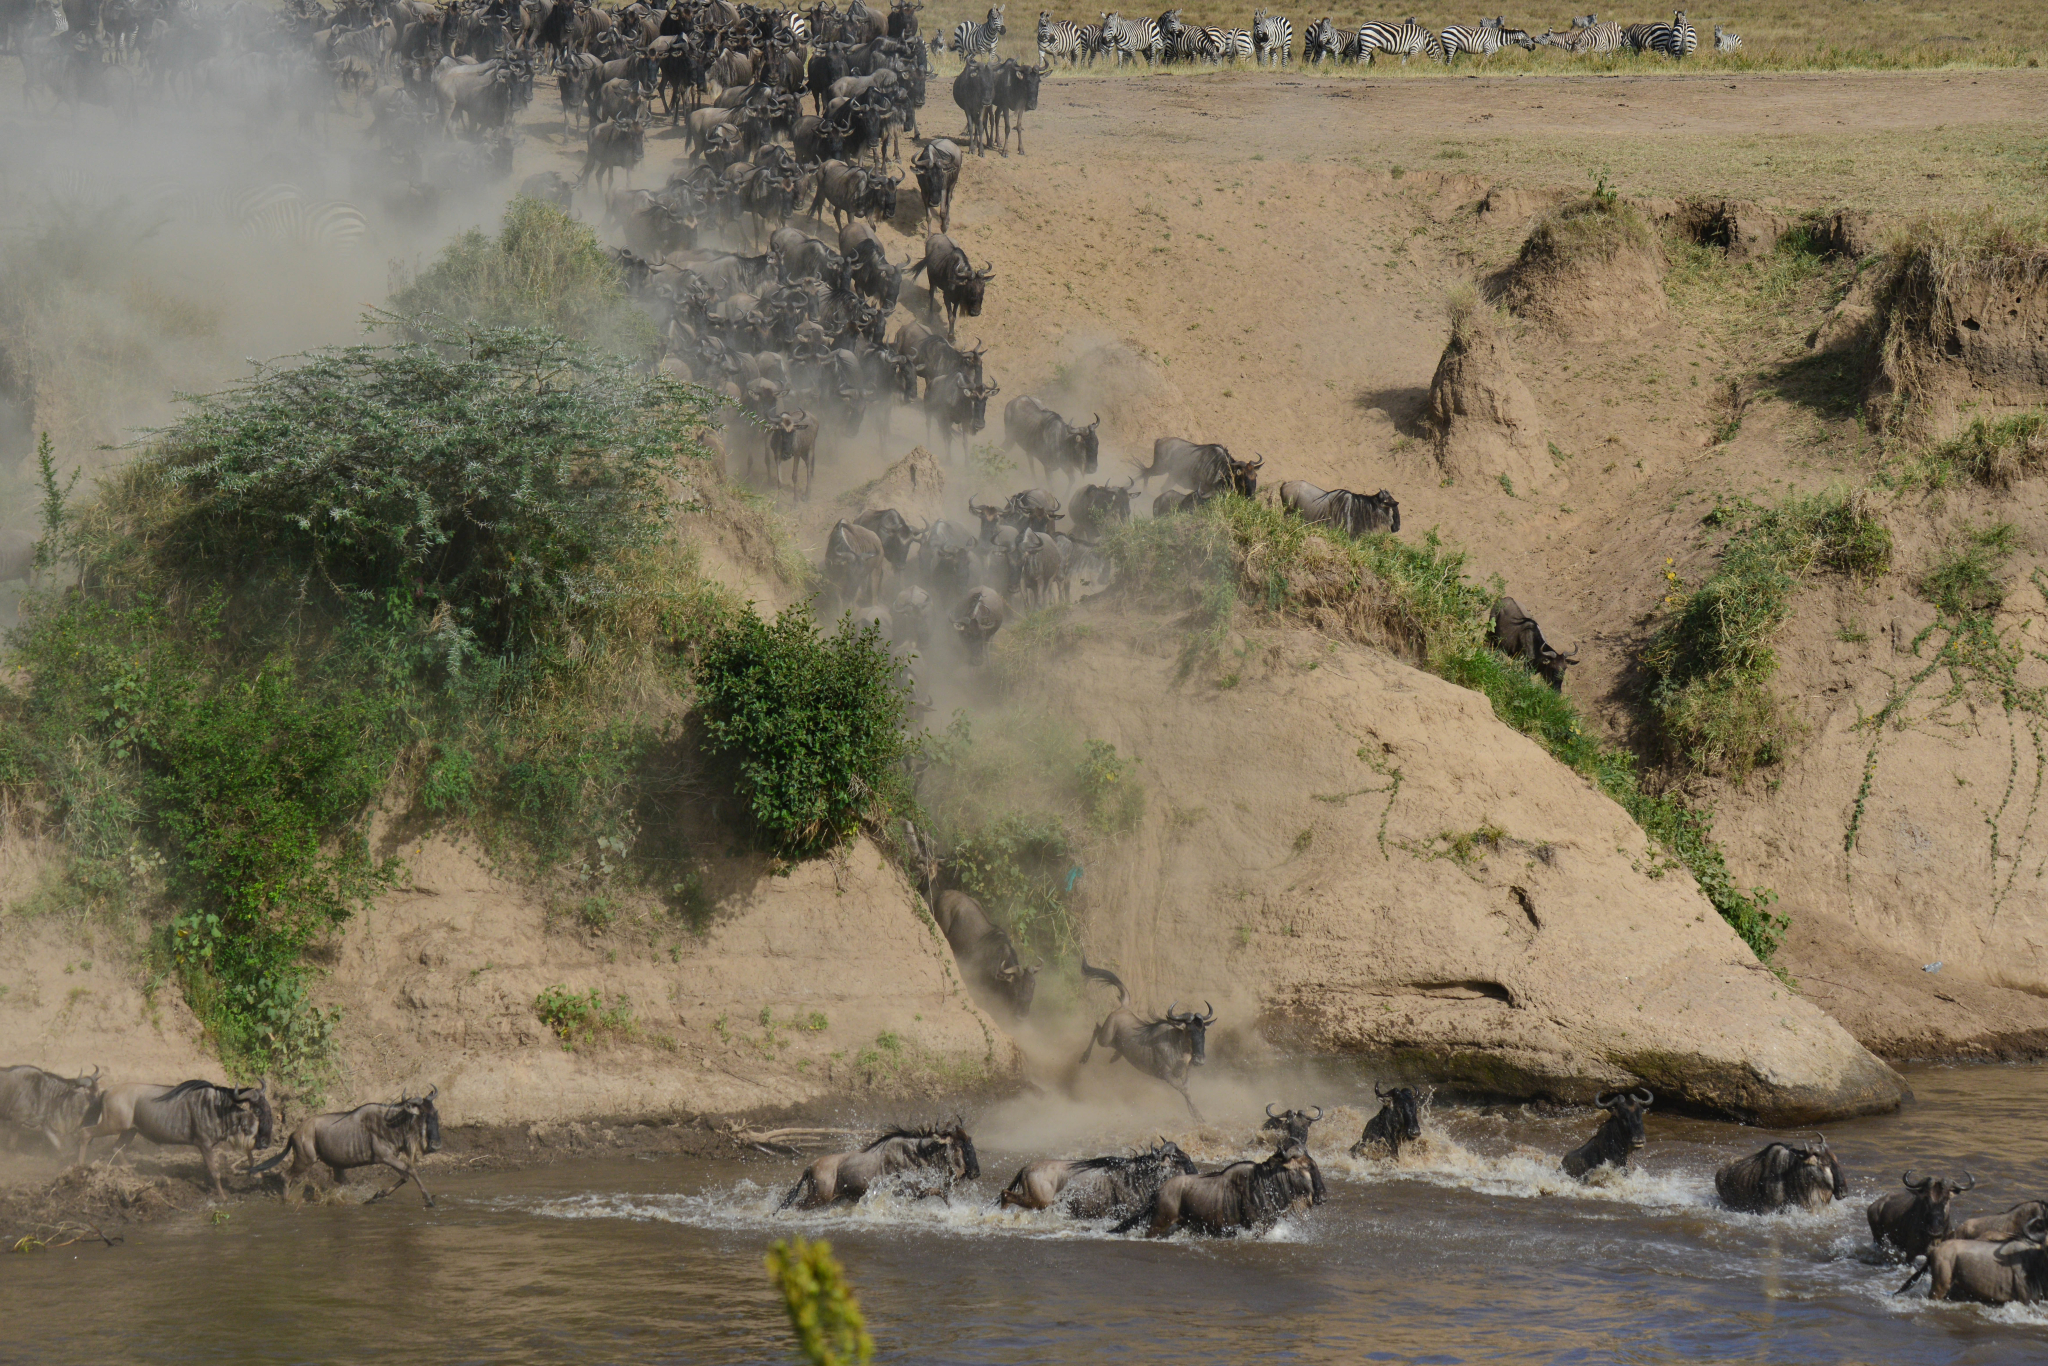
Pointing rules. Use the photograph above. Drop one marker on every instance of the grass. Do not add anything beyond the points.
(1963, 580)
(1995, 452)
(1417, 601)
(1712, 660)
(579, 1017)
(1586, 232)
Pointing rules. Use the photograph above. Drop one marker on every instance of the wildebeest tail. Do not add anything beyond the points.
(805, 1184)
(1123, 993)
(1918, 1272)
(1143, 1216)
(282, 1154)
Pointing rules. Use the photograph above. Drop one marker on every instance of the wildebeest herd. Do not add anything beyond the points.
(221, 1122)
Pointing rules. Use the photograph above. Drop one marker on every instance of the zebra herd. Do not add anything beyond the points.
(1270, 39)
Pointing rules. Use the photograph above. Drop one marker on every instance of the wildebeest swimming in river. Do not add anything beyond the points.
(1912, 1219)
(1807, 1176)
(1244, 1195)
(363, 1137)
(1399, 1121)
(1164, 1048)
(947, 1151)
(1620, 1136)
(1096, 1187)
(1987, 1270)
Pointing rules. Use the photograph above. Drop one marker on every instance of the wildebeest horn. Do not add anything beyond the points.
(1603, 1099)
(1649, 1097)
(1906, 1180)
(1319, 1113)
(1208, 1013)
(1970, 1182)
(1377, 1092)
(1269, 1109)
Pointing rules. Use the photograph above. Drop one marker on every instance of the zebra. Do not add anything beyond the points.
(1058, 39)
(975, 40)
(1675, 39)
(1726, 42)
(278, 215)
(1129, 37)
(1402, 40)
(1272, 35)
(1236, 45)
(1686, 37)
(1187, 44)
(1483, 41)
(795, 28)
(1320, 40)
(1092, 45)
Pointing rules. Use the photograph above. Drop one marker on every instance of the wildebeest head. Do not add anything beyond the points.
(422, 1121)
(1293, 1123)
(1817, 1160)
(1407, 1110)
(953, 1145)
(1086, 446)
(1626, 1109)
(1168, 1152)
(989, 515)
(1196, 1028)
(1935, 1192)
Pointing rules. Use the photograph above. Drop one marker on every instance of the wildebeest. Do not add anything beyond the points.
(853, 563)
(1399, 1121)
(192, 1114)
(1353, 513)
(974, 89)
(1244, 1195)
(1515, 634)
(1015, 94)
(949, 274)
(895, 533)
(618, 145)
(1808, 1176)
(958, 406)
(978, 618)
(1620, 1136)
(58, 1108)
(910, 617)
(1038, 568)
(937, 168)
(1048, 439)
(2002, 1227)
(793, 437)
(984, 951)
(1098, 505)
(1912, 1219)
(1987, 1270)
(1293, 1123)
(1164, 1048)
(1096, 1187)
(947, 1151)
(386, 1132)
(1206, 469)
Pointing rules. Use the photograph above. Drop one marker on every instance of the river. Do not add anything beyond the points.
(1473, 1249)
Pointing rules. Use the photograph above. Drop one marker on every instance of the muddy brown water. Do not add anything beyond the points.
(1473, 1249)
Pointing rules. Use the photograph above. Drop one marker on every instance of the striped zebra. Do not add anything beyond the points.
(1593, 37)
(1320, 40)
(1128, 37)
(1396, 40)
(276, 214)
(1058, 39)
(1687, 38)
(977, 40)
(1726, 42)
(1272, 35)
(1188, 45)
(794, 27)
(1675, 39)
(1092, 45)
(1237, 46)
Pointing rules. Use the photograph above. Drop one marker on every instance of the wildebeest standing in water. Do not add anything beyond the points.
(985, 953)
(1399, 1121)
(1242, 1196)
(1917, 1216)
(1515, 634)
(1165, 1048)
(1096, 1187)
(947, 1151)
(58, 1108)
(2001, 1228)
(1989, 1271)
(385, 1133)
(1807, 1176)
(1614, 1141)
(192, 1114)
(1295, 1124)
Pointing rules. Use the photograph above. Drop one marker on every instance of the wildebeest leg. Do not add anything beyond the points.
(1182, 1087)
(395, 1160)
(122, 1146)
(207, 1158)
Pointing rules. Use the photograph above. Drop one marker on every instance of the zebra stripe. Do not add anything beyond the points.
(1272, 34)
(332, 225)
(795, 27)
(1687, 37)
(1397, 40)
(1594, 37)
(1726, 42)
(1483, 41)
(1129, 37)
(1061, 39)
(972, 40)
(1238, 46)
(1320, 40)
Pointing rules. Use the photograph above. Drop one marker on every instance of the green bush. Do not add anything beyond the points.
(544, 269)
(811, 726)
(1712, 660)
(1963, 580)
(577, 1017)
(1110, 792)
(1017, 865)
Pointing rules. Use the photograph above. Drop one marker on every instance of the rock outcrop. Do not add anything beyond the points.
(1484, 416)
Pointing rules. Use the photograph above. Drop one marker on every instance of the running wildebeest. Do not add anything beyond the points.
(1292, 1123)
(947, 1151)
(1096, 1187)
(1164, 1048)
(911, 617)
(894, 533)
(949, 274)
(381, 1132)
(1987, 1270)
(1049, 440)
(192, 1114)
(793, 437)
(58, 1108)
(616, 146)
(853, 563)
(985, 953)
(1205, 469)
(1244, 1195)
(1098, 505)
(937, 168)
(1515, 634)
(1912, 1219)
(1614, 1141)
(1355, 514)
(1807, 1176)
(978, 618)
(1398, 1121)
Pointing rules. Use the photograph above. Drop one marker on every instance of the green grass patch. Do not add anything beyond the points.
(1997, 452)
(1417, 600)
(579, 1017)
(1712, 660)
